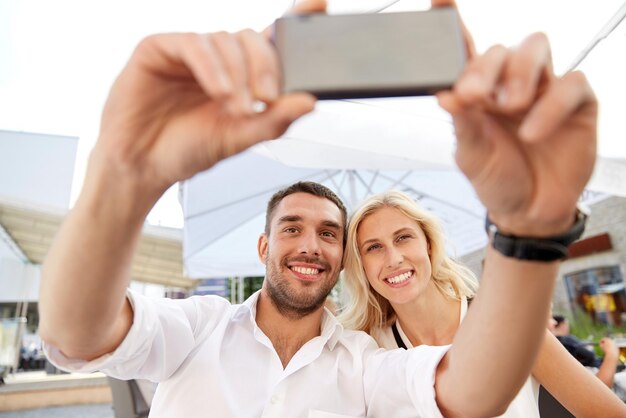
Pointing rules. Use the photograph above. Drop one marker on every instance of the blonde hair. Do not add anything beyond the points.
(365, 309)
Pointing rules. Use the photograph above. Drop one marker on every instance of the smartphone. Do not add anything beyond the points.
(370, 55)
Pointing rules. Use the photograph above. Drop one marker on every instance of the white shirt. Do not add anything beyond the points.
(525, 404)
(212, 360)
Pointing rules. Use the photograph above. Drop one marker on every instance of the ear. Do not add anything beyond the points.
(262, 248)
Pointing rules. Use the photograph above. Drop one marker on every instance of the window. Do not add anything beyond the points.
(600, 292)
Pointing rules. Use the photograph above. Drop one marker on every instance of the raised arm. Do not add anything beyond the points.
(606, 373)
(577, 389)
(526, 141)
(182, 103)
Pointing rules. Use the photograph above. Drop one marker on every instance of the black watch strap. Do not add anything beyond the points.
(536, 249)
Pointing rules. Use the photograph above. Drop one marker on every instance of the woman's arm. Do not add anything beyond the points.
(578, 390)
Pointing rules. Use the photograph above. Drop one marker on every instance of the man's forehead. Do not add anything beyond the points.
(305, 205)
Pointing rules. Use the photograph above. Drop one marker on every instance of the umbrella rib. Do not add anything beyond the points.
(400, 180)
(449, 204)
(371, 183)
(380, 9)
(356, 102)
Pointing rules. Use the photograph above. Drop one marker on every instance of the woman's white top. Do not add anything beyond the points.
(525, 404)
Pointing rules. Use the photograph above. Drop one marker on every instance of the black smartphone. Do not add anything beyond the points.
(370, 55)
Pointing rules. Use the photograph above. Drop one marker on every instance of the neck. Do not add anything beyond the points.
(287, 333)
(431, 319)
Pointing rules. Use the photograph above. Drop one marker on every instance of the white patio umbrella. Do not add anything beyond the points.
(375, 149)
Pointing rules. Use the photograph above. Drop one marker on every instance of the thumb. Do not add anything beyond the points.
(300, 8)
(269, 124)
(470, 47)
(308, 6)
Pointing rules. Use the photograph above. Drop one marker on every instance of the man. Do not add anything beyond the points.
(526, 141)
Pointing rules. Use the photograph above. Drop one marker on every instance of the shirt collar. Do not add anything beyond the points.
(331, 329)
(248, 307)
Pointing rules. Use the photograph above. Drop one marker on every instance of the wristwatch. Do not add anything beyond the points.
(537, 249)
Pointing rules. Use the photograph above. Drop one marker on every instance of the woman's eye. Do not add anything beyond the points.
(373, 247)
(403, 237)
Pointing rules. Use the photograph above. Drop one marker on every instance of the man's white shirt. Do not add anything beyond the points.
(212, 360)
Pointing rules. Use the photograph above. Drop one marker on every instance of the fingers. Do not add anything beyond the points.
(528, 68)
(520, 83)
(480, 81)
(507, 80)
(183, 56)
(572, 93)
(263, 65)
(269, 124)
(236, 69)
(234, 60)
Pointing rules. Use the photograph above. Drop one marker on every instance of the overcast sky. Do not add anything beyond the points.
(58, 59)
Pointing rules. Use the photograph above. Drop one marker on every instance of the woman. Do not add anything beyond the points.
(405, 291)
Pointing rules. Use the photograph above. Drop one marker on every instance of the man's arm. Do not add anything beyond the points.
(182, 103)
(83, 309)
(526, 140)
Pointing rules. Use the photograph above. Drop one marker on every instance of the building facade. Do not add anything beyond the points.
(592, 278)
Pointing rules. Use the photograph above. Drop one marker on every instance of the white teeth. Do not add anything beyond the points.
(304, 270)
(399, 278)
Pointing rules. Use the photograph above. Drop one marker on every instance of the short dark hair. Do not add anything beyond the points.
(311, 188)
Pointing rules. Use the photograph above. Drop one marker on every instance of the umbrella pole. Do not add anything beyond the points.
(353, 198)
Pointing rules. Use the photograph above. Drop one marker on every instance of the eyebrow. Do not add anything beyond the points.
(298, 218)
(399, 231)
(332, 224)
(289, 218)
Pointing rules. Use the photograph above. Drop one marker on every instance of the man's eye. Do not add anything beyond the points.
(291, 230)
(328, 234)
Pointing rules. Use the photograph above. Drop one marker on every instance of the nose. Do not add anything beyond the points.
(310, 244)
(393, 257)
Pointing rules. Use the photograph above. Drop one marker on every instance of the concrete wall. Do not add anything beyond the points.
(607, 216)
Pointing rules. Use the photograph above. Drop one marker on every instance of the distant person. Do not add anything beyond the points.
(606, 366)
